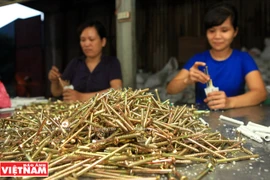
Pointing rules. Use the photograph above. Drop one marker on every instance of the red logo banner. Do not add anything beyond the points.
(20, 169)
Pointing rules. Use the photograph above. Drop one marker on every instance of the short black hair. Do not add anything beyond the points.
(96, 24)
(218, 13)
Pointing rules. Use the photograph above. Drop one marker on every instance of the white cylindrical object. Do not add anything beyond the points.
(204, 122)
(258, 127)
(69, 87)
(235, 121)
(210, 89)
(255, 124)
(265, 136)
(245, 131)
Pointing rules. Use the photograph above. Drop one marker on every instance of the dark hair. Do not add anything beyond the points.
(96, 24)
(218, 13)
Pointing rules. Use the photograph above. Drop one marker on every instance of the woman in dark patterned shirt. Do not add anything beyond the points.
(91, 73)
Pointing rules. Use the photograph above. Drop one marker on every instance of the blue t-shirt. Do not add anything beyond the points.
(83, 80)
(228, 75)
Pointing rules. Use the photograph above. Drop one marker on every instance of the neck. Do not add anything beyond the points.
(93, 59)
(221, 55)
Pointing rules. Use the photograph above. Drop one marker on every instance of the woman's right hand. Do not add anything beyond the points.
(195, 75)
(54, 74)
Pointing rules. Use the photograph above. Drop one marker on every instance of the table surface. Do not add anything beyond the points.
(258, 169)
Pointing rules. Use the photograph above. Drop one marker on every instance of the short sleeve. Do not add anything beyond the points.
(248, 63)
(116, 72)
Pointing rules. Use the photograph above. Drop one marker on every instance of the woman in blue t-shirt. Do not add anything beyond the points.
(230, 70)
(91, 73)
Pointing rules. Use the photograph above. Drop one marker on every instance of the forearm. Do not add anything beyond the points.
(250, 98)
(56, 89)
(178, 85)
(87, 96)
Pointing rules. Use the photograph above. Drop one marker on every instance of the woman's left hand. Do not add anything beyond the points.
(217, 100)
(70, 95)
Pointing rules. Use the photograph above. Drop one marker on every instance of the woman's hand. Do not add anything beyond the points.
(54, 74)
(217, 100)
(195, 75)
(70, 95)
